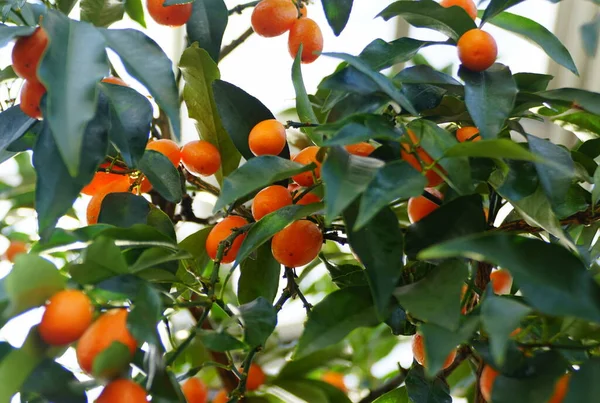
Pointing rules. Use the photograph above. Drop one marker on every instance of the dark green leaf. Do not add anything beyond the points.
(130, 120)
(256, 174)
(422, 390)
(552, 279)
(532, 82)
(590, 33)
(145, 61)
(297, 368)
(304, 107)
(156, 257)
(496, 7)
(583, 386)
(49, 379)
(196, 245)
(163, 176)
(346, 275)
(337, 13)
(335, 317)
(161, 221)
(220, 342)
(72, 99)
(399, 395)
(436, 298)
(313, 391)
(66, 5)
(123, 210)
(207, 25)
(490, 96)
(589, 101)
(102, 13)
(9, 32)
(110, 361)
(498, 148)
(103, 259)
(259, 277)
(380, 54)
(423, 74)
(145, 315)
(379, 245)
(259, 319)
(135, 11)
(200, 72)
(396, 180)
(13, 124)
(361, 127)
(537, 34)
(520, 181)
(452, 21)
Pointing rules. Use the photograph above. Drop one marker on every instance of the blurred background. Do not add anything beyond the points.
(262, 67)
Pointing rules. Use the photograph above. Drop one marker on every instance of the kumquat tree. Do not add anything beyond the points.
(412, 208)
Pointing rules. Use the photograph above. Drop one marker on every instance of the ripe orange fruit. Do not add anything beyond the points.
(31, 96)
(95, 204)
(467, 133)
(560, 389)
(308, 198)
(115, 80)
(272, 18)
(270, 199)
(15, 248)
(501, 281)
(122, 391)
(420, 207)
(486, 382)
(468, 5)
(297, 244)
(201, 157)
(477, 50)
(432, 177)
(195, 391)
(267, 138)
(166, 147)
(108, 328)
(305, 157)
(172, 16)
(220, 232)
(256, 377)
(363, 149)
(221, 397)
(335, 379)
(103, 179)
(67, 316)
(418, 350)
(307, 33)
(27, 53)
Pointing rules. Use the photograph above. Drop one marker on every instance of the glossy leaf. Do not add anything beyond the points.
(145, 61)
(532, 82)
(490, 96)
(360, 127)
(589, 101)
(584, 383)
(498, 148)
(103, 260)
(10, 32)
(428, 14)
(49, 379)
(304, 107)
(551, 279)
(135, 11)
(110, 361)
(259, 277)
(346, 275)
(399, 395)
(256, 174)
(537, 34)
(294, 369)
(396, 180)
(72, 100)
(496, 7)
(123, 210)
(162, 174)
(196, 245)
(220, 341)
(207, 25)
(337, 13)
(380, 54)
(379, 246)
(147, 311)
(590, 32)
(102, 13)
(259, 319)
(335, 317)
(13, 124)
(421, 389)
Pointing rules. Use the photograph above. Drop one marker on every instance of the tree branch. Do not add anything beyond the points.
(298, 125)
(241, 7)
(587, 217)
(237, 42)
(386, 387)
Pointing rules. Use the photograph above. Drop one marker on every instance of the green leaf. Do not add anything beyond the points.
(311, 390)
(590, 32)
(498, 148)
(110, 361)
(160, 220)
(123, 210)
(220, 341)
(421, 389)
(346, 275)
(103, 259)
(259, 319)
(384, 84)
(254, 175)
(13, 124)
(538, 34)
(135, 11)
(51, 381)
(379, 245)
(200, 72)
(500, 317)
(102, 13)
(596, 190)
(72, 99)
(30, 283)
(496, 7)
(155, 257)
(146, 313)
(589, 101)
(130, 121)
(335, 317)
(490, 97)
(337, 13)
(297, 368)
(240, 112)
(345, 177)
(380, 54)
(399, 395)
(9, 32)
(551, 279)
(66, 5)
(360, 127)
(8, 73)
(532, 82)
(272, 223)
(207, 25)
(163, 176)
(436, 298)
(145, 61)
(584, 383)
(459, 217)
(259, 277)
(304, 107)
(396, 180)
(453, 22)
(196, 245)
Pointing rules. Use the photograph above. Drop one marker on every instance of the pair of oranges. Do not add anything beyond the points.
(26, 56)
(272, 18)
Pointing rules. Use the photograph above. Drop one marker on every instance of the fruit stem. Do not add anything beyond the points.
(235, 43)
(241, 7)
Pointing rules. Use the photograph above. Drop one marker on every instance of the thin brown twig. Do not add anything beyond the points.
(241, 7)
(226, 50)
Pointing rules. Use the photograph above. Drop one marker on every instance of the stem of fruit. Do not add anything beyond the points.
(238, 393)
(241, 7)
(235, 43)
